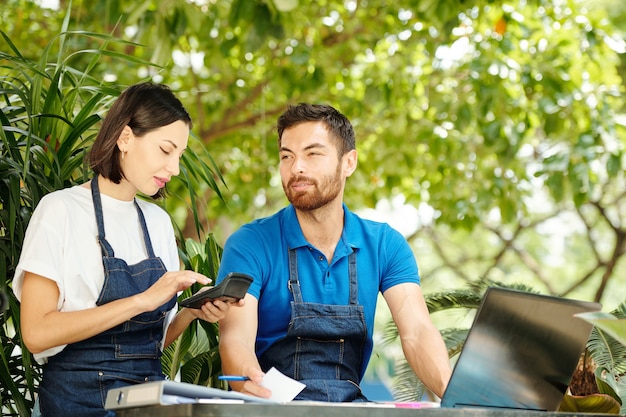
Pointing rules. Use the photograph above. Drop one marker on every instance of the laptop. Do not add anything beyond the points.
(520, 352)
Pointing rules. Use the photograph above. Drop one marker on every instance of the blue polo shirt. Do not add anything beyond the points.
(260, 249)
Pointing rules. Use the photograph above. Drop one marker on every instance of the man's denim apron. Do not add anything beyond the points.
(323, 347)
(76, 380)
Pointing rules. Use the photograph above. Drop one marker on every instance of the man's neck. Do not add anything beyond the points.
(323, 227)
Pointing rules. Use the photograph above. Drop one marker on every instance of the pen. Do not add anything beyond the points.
(233, 378)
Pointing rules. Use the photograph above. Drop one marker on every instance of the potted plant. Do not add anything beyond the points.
(606, 352)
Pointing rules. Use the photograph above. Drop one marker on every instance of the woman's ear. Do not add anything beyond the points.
(124, 138)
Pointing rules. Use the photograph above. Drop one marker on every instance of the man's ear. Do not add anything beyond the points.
(350, 162)
(124, 138)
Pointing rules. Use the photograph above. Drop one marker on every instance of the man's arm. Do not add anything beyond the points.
(422, 343)
(237, 340)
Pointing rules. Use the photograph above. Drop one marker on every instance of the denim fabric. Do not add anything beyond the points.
(324, 344)
(76, 380)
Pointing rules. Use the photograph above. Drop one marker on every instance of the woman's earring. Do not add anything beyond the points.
(123, 153)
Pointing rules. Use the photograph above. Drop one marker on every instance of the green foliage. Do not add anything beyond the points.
(198, 174)
(495, 115)
(18, 372)
(599, 403)
(463, 105)
(607, 348)
(194, 356)
(610, 325)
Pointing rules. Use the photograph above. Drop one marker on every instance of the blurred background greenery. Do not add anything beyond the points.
(491, 133)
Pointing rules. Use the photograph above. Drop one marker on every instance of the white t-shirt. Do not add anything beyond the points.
(61, 243)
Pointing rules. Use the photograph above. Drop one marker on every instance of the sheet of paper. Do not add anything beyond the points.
(284, 389)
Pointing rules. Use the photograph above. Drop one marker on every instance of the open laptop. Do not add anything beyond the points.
(520, 352)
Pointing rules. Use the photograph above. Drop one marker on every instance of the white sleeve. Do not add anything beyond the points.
(43, 247)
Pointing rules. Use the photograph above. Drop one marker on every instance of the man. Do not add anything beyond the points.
(317, 271)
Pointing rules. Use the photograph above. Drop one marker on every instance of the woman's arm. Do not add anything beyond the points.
(44, 326)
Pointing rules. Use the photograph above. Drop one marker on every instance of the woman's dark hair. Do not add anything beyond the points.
(337, 124)
(143, 107)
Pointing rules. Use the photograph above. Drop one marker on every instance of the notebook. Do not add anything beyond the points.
(172, 392)
(520, 352)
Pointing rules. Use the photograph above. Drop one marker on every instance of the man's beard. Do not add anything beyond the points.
(320, 195)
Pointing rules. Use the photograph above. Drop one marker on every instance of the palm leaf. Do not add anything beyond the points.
(196, 174)
(203, 369)
(175, 354)
(453, 299)
(194, 357)
(454, 338)
(607, 352)
(606, 342)
(407, 386)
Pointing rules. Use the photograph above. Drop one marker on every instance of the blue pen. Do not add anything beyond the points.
(233, 378)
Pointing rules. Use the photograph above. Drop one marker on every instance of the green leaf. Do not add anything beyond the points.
(285, 5)
(606, 382)
(607, 323)
(594, 403)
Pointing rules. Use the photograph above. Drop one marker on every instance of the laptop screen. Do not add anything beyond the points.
(520, 352)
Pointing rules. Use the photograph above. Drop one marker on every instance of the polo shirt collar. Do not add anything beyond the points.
(351, 238)
(291, 228)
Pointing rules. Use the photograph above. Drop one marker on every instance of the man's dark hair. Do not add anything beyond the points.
(143, 107)
(337, 124)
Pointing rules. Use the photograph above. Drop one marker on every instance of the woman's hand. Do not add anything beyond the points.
(214, 311)
(169, 285)
(211, 311)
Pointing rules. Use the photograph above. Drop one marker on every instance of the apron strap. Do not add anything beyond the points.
(354, 288)
(144, 228)
(294, 282)
(105, 247)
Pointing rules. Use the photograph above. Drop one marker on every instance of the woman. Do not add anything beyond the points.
(99, 271)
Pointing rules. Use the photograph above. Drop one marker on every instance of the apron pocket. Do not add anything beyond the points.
(312, 358)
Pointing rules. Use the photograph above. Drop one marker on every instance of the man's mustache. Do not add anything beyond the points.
(308, 180)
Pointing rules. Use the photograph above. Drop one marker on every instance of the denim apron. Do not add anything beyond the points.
(323, 347)
(76, 380)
